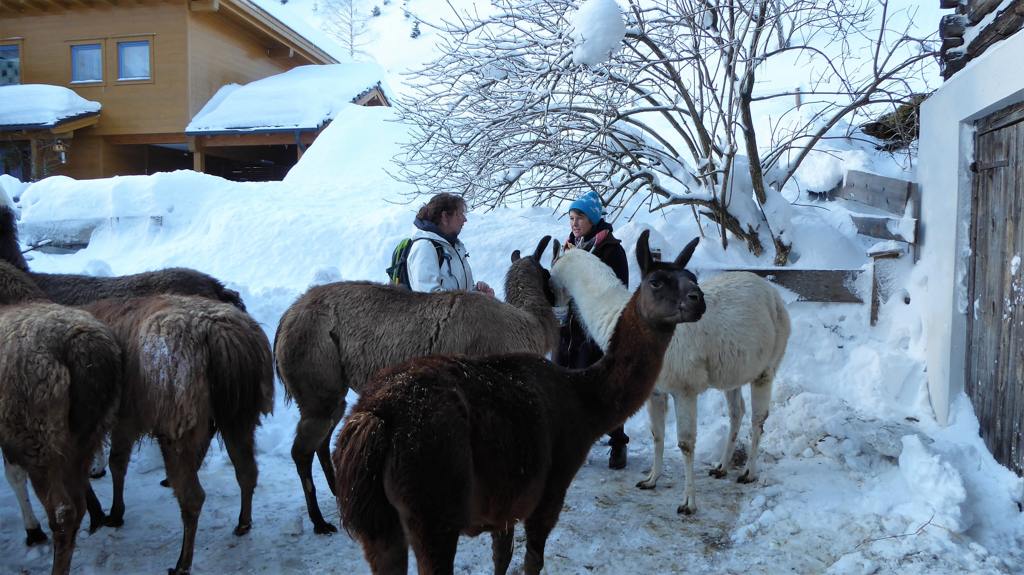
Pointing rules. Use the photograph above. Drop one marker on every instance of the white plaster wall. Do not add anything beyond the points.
(987, 84)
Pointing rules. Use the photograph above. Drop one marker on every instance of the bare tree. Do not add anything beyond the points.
(508, 114)
(343, 21)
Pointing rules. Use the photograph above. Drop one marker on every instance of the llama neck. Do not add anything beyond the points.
(9, 249)
(524, 290)
(598, 296)
(624, 378)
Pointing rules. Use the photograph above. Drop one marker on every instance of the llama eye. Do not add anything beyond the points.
(656, 284)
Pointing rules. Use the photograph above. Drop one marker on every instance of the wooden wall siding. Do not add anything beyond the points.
(995, 323)
(970, 13)
(221, 52)
(128, 108)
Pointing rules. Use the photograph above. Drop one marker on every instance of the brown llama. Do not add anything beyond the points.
(193, 367)
(75, 289)
(60, 377)
(446, 445)
(336, 336)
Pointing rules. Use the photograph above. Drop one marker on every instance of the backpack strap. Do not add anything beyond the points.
(437, 248)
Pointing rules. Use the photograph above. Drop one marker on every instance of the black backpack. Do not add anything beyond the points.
(398, 272)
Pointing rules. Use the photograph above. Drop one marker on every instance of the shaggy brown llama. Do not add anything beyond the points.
(60, 376)
(193, 367)
(336, 336)
(450, 445)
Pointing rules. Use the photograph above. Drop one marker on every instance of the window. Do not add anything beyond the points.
(133, 60)
(10, 64)
(86, 63)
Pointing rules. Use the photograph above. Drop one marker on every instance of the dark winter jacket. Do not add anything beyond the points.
(576, 349)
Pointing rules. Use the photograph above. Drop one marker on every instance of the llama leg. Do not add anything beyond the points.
(734, 398)
(760, 398)
(120, 454)
(97, 518)
(686, 434)
(98, 467)
(182, 458)
(434, 545)
(63, 510)
(309, 434)
(240, 444)
(18, 479)
(323, 452)
(538, 527)
(657, 406)
(387, 556)
(501, 548)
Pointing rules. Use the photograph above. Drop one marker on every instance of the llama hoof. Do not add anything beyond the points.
(746, 478)
(165, 482)
(35, 536)
(96, 524)
(98, 474)
(243, 529)
(717, 472)
(685, 509)
(111, 521)
(324, 528)
(645, 484)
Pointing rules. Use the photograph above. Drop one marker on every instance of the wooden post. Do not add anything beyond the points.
(36, 158)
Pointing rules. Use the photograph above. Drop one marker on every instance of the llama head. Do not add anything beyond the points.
(532, 262)
(668, 293)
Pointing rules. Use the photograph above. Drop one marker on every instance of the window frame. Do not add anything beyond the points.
(116, 55)
(71, 62)
(20, 45)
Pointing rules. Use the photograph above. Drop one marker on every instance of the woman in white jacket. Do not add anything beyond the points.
(441, 263)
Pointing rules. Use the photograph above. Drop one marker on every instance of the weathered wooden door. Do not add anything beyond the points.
(995, 324)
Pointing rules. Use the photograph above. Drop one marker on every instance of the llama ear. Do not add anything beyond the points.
(515, 256)
(687, 253)
(555, 252)
(643, 252)
(537, 253)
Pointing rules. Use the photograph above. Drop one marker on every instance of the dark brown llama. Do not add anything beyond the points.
(445, 445)
(193, 367)
(60, 377)
(336, 336)
(75, 289)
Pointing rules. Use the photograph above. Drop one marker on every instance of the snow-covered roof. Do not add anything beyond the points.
(303, 98)
(38, 106)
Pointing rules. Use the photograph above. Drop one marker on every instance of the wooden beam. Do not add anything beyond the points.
(65, 127)
(136, 139)
(978, 9)
(835, 286)
(255, 139)
(889, 194)
(885, 227)
(204, 5)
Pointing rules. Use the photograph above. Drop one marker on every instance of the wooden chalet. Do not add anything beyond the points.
(152, 65)
(972, 173)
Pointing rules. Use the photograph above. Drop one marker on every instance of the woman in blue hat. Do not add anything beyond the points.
(576, 350)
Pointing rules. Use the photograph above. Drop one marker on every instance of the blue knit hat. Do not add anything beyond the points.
(589, 204)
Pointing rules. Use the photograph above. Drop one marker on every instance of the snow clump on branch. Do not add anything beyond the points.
(597, 29)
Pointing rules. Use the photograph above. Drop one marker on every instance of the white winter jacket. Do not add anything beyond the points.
(426, 275)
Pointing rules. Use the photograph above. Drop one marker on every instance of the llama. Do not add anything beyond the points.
(741, 339)
(74, 289)
(450, 445)
(193, 367)
(336, 336)
(60, 376)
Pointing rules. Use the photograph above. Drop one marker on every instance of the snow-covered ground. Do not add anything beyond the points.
(857, 477)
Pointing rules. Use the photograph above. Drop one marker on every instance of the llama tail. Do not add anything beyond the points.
(94, 363)
(240, 370)
(360, 454)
